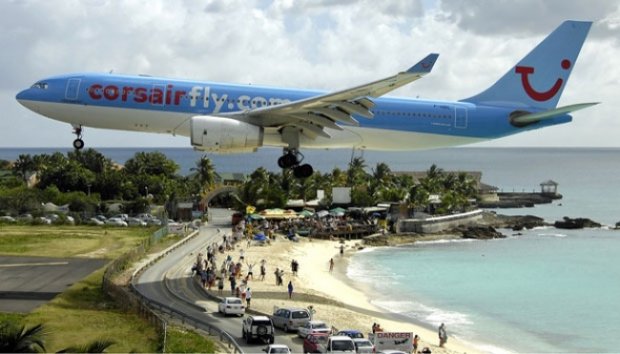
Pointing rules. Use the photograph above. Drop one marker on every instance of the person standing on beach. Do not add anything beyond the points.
(416, 340)
(341, 250)
(331, 265)
(443, 336)
(290, 289)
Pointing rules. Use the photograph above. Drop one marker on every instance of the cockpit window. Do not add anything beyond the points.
(41, 85)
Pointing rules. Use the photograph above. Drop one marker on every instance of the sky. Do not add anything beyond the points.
(319, 44)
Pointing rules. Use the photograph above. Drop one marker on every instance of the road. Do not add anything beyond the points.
(169, 281)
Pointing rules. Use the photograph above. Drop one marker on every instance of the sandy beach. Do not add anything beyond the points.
(332, 294)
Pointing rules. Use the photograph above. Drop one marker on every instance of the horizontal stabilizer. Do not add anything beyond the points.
(536, 117)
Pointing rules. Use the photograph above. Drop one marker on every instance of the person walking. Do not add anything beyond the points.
(443, 336)
(290, 289)
(331, 265)
(248, 296)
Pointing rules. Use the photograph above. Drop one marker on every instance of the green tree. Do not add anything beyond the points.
(356, 173)
(151, 163)
(205, 173)
(23, 166)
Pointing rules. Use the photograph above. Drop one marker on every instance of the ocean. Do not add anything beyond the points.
(546, 290)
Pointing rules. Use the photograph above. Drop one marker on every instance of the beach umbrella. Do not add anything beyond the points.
(322, 213)
(305, 213)
(256, 217)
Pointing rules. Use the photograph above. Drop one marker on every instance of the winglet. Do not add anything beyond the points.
(425, 65)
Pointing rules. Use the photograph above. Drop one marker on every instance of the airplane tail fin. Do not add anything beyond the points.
(540, 77)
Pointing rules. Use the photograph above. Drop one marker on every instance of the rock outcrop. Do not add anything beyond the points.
(577, 223)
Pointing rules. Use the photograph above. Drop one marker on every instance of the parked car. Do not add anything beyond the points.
(135, 222)
(153, 222)
(7, 218)
(258, 327)
(95, 221)
(312, 341)
(363, 345)
(231, 306)
(290, 318)
(123, 217)
(314, 326)
(353, 333)
(42, 220)
(277, 349)
(116, 222)
(337, 344)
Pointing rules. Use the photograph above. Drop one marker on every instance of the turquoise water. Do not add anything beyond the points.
(544, 291)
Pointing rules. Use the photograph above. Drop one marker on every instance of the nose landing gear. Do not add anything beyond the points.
(292, 159)
(78, 143)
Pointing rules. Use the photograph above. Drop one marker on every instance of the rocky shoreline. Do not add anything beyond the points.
(485, 229)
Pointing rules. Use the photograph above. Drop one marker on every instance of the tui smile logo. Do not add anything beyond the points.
(540, 95)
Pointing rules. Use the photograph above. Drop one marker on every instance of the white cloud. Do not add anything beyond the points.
(315, 44)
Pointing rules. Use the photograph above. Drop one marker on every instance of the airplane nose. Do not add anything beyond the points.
(22, 95)
(25, 99)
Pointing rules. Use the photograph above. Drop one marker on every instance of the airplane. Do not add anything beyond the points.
(233, 118)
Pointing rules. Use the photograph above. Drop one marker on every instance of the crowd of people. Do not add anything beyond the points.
(219, 264)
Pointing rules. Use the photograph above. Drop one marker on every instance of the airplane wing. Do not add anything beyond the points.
(313, 114)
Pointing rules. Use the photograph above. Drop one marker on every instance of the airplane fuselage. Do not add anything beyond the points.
(161, 105)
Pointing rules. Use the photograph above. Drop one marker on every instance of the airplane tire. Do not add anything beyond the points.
(287, 161)
(78, 144)
(303, 171)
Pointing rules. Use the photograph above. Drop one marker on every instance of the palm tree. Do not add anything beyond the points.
(356, 174)
(23, 165)
(205, 172)
(97, 346)
(15, 339)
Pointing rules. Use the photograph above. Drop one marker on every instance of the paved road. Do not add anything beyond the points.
(173, 273)
(29, 282)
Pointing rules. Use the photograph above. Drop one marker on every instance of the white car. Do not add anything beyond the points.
(363, 345)
(7, 218)
(116, 222)
(277, 349)
(313, 327)
(135, 222)
(231, 306)
(95, 221)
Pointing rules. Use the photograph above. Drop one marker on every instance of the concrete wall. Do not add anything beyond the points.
(439, 223)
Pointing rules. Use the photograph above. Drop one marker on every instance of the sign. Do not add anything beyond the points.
(402, 341)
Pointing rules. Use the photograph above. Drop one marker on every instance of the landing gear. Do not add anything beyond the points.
(292, 159)
(78, 143)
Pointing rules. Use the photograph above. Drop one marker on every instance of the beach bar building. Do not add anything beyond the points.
(549, 187)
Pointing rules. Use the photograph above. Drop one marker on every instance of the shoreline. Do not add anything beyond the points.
(336, 298)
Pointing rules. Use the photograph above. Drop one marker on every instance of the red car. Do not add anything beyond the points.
(311, 342)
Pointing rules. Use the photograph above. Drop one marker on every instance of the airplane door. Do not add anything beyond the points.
(460, 117)
(73, 89)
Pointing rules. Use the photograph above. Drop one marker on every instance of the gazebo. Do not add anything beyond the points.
(549, 187)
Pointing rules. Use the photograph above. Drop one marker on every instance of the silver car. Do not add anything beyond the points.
(290, 318)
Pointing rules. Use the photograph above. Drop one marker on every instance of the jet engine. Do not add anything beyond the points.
(224, 135)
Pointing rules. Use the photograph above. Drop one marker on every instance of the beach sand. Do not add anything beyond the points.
(332, 294)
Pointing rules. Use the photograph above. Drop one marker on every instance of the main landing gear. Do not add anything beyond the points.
(78, 143)
(292, 159)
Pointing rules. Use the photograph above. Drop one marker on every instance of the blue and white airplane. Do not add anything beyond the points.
(225, 118)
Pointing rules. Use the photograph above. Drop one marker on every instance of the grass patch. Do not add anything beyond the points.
(180, 340)
(83, 313)
(69, 241)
